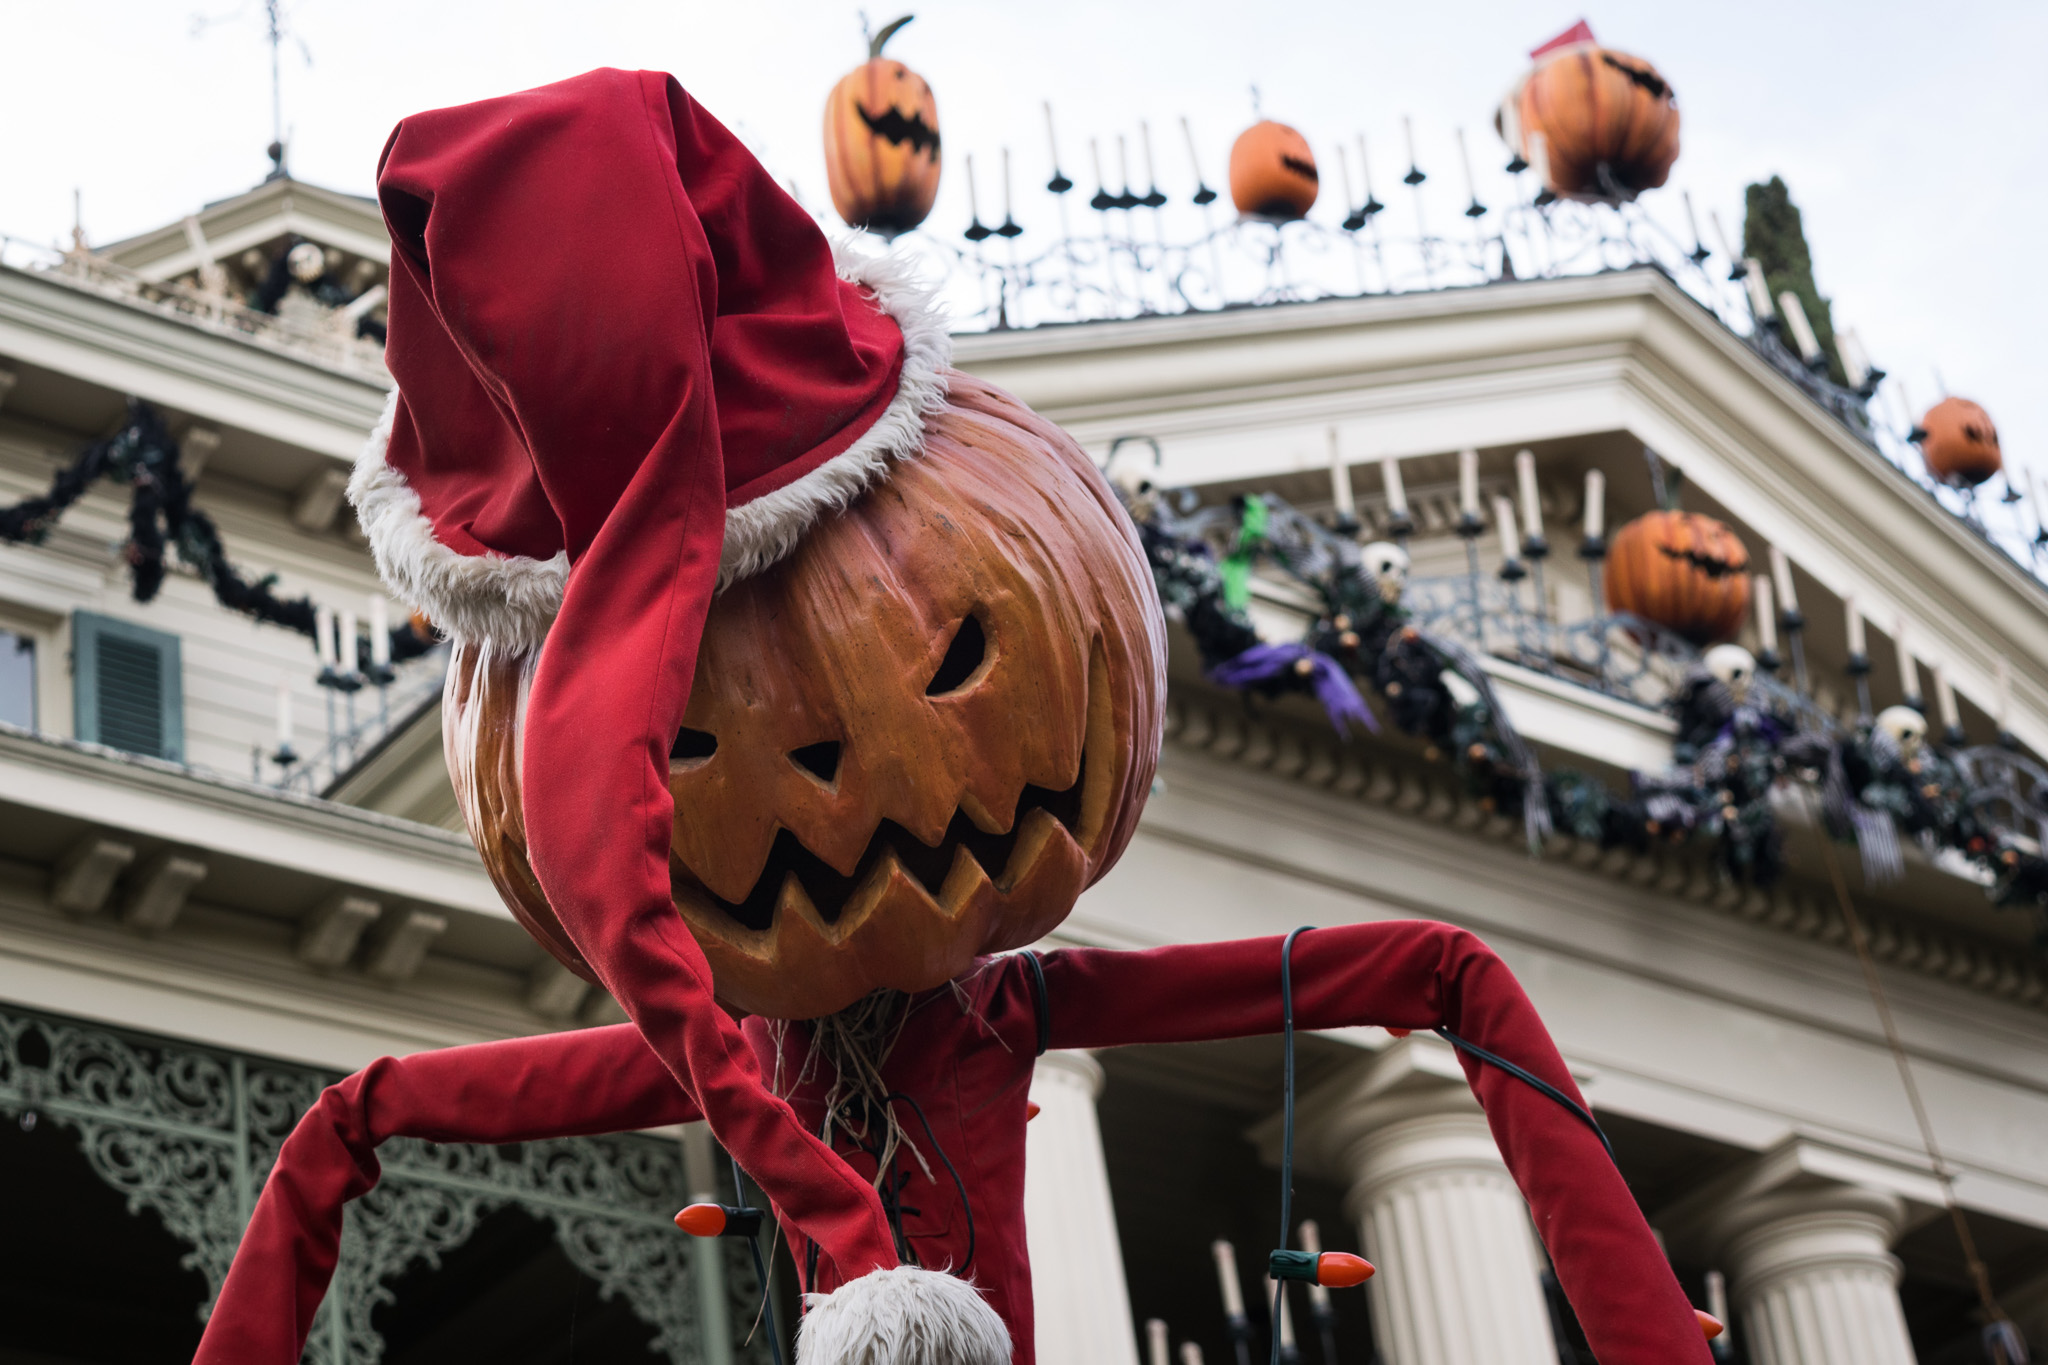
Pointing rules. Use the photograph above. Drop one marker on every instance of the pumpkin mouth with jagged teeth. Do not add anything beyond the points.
(914, 741)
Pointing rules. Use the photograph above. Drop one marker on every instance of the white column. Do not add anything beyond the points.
(1813, 1278)
(1082, 1309)
(1460, 1271)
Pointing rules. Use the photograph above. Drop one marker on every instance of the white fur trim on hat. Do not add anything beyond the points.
(511, 600)
(904, 1316)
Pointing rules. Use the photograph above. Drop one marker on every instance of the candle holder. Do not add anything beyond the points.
(1470, 527)
(1767, 661)
(380, 675)
(1954, 737)
(284, 755)
(1400, 526)
(1511, 571)
(1917, 702)
(1346, 524)
(1858, 668)
(1241, 1337)
(2008, 740)
(1792, 622)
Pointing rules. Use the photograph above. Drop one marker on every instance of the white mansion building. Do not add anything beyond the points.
(194, 936)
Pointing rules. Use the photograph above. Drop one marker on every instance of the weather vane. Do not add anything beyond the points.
(275, 34)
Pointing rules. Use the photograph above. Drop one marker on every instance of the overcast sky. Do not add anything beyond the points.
(1911, 135)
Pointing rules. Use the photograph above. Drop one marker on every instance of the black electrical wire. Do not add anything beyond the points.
(1537, 1081)
(767, 1309)
(1286, 1120)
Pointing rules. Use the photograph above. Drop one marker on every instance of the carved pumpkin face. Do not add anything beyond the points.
(1960, 443)
(1272, 173)
(882, 144)
(1682, 571)
(915, 740)
(1607, 123)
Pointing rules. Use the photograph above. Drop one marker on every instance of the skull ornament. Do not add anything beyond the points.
(1388, 565)
(307, 262)
(914, 741)
(1734, 667)
(1907, 727)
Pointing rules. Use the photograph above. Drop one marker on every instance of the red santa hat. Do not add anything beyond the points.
(629, 373)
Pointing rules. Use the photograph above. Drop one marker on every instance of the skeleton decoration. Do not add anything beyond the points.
(1388, 565)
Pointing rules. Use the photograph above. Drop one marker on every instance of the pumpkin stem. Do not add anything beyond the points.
(1665, 481)
(888, 31)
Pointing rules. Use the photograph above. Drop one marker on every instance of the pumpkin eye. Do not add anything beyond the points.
(819, 760)
(692, 746)
(963, 659)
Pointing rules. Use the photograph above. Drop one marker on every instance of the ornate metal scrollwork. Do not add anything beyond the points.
(190, 1134)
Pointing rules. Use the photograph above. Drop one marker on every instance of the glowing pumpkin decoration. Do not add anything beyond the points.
(914, 741)
(1682, 571)
(1272, 173)
(882, 143)
(1959, 442)
(1598, 125)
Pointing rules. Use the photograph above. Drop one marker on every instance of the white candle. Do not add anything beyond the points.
(1802, 330)
(323, 637)
(380, 631)
(1532, 503)
(1781, 574)
(1340, 481)
(1397, 492)
(284, 716)
(1596, 504)
(1766, 615)
(1468, 482)
(1717, 1298)
(347, 643)
(1909, 671)
(1539, 159)
(1226, 1275)
(1759, 290)
(1855, 361)
(1190, 1353)
(1854, 621)
(2003, 673)
(1945, 700)
(1504, 521)
(1160, 1349)
(1286, 1320)
(1312, 1242)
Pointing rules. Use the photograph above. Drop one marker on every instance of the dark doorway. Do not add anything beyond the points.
(82, 1280)
(508, 1295)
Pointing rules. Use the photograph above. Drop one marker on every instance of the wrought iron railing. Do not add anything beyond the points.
(190, 1134)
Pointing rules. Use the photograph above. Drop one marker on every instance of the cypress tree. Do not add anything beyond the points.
(1773, 233)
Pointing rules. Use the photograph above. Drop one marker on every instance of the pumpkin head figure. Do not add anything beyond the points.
(1682, 571)
(1960, 443)
(1597, 125)
(914, 741)
(1272, 173)
(882, 143)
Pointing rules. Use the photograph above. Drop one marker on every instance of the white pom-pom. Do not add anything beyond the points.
(905, 1316)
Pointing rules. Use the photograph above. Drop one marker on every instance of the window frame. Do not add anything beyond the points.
(88, 628)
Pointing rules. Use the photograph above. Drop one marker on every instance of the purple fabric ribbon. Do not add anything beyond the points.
(1327, 679)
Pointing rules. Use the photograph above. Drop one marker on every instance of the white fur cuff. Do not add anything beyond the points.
(905, 1316)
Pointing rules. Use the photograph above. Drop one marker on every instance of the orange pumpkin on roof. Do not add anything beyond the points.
(882, 143)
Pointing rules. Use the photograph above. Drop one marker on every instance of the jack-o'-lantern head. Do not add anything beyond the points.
(1596, 124)
(1959, 442)
(914, 741)
(1682, 571)
(882, 143)
(1272, 173)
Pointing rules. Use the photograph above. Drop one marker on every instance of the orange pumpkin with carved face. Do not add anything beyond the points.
(1682, 571)
(1959, 441)
(1598, 125)
(914, 741)
(882, 143)
(1273, 173)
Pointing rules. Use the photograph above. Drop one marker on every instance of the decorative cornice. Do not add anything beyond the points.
(1221, 728)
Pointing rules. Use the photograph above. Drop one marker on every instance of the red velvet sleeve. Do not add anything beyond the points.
(556, 1085)
(1415, 975)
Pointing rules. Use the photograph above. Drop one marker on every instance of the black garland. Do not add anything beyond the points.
(1737, 740)
(144, 455)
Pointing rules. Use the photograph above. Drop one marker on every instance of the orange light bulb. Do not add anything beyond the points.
(1032, 1109)
(702, 1220)
(1341, 1270)
(1709, 1324)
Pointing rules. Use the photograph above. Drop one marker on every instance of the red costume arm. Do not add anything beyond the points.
(1415, 975)
(556, 1085)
